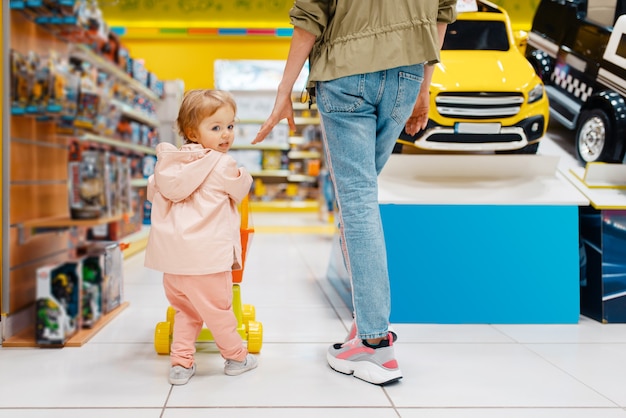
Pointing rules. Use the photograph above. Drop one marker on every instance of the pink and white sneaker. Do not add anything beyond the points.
(376, 365)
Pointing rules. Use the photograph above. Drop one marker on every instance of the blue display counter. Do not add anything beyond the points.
(477, 239)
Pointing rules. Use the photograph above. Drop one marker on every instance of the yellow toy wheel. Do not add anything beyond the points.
(169, 316)
(248, 314)
(255, 336)
(163, 337)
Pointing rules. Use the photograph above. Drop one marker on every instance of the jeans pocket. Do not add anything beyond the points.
(344, 94)
(408, 87)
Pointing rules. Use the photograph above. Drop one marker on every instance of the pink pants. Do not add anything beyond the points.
(197, 300)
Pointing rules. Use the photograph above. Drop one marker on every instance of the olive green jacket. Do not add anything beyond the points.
(363, 36)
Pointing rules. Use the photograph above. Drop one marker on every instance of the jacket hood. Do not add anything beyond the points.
(178, 173)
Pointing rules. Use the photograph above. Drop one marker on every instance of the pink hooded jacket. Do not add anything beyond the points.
(195, 223)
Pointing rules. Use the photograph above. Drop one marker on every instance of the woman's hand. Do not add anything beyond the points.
(299, 50)
(419, 117)
(283, 109)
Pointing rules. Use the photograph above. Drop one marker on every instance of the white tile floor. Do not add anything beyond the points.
(450, 371)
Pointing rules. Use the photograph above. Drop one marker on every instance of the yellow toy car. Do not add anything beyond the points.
(485, 95)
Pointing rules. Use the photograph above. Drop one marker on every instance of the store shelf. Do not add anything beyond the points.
(299, 120)
(286, 174)
(39, 141)
(271, 173)
(52, 223)
(26, 338)
(284, 206)
(297, 140)
(328, 229)
(304, 155)
(304, 106)
(35, 226)
(261, 147)
(83, 53)
(306, 121)
(135, 114)
(137, 242)
(300, 178)
(116, 143)
(139, 182)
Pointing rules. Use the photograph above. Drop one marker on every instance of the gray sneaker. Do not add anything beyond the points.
(180, 376)
(374, 365)
(234, 368)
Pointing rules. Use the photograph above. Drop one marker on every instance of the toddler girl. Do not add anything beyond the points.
(195, 238)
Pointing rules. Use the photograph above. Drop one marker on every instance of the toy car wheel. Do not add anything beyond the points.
(255, 337)
(594, 141)
(162, 337)
(249, 313)
(169, 316)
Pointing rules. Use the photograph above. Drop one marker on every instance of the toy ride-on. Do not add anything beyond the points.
(249, 329)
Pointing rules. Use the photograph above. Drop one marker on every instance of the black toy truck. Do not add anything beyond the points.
(578, 48)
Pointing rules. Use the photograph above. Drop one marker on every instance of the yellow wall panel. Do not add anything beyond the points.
(520, 12)
(199, 13)
(181, 56)
(192, 60)
(242, 13)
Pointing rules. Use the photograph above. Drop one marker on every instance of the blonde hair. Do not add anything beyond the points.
(198, 104)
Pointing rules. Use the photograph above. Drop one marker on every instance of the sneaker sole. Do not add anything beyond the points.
(239, 371)
(178, 382)
(364, 370)
(181, 381)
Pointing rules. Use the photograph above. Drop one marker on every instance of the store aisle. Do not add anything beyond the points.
(450, 371)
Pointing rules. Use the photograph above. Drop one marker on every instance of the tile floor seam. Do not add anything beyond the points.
(510, 407)
(597, 392)
(502, 332)
(167, 398)
(393, 405)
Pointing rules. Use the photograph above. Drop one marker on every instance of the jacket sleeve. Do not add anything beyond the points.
(237, 180)
(311, 15)
(447, 11)
(151, 188)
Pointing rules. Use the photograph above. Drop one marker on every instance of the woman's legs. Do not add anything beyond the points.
(362, 117)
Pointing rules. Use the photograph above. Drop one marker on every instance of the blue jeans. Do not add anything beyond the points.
(362, 117)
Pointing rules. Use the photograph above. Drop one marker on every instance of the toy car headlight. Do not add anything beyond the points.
(536, 93)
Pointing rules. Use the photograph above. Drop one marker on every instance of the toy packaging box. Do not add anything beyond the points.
(58, 302)
(20, 83)
(135, 219)
(88, 104)
(87, 192)
(124, 183)
(38, 74)
(113, 274)
(113, 200)
(88, 98)
(91, 295)
(103, 281)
